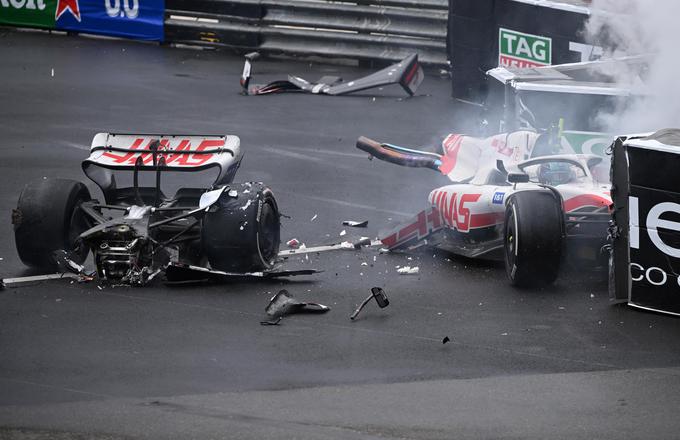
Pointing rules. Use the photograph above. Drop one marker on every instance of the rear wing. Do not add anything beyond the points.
(115, 151)
(407, 73)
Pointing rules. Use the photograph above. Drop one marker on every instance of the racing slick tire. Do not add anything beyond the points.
(533, 238)
(241, 232)
(48, 218)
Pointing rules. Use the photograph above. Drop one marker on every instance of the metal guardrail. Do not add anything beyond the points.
(386, 30)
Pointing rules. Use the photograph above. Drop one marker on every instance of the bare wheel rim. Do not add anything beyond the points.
(510, 239)
(269, 233)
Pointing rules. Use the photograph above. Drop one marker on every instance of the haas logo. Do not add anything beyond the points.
(129, 8)
(653, 223)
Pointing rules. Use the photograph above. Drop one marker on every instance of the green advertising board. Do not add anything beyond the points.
(34, 13)
(586, 142)
(519, 49)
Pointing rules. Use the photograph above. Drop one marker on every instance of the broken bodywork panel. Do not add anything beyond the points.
(407, 73)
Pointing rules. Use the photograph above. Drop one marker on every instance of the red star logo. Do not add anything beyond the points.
(71, 5)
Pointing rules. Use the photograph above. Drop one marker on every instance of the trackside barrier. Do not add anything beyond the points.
(646, 250)
(387, 30)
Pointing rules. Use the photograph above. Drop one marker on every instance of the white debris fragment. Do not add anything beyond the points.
(346, 245)
(303, 247)
(374, 258)
(243, 225)
(52, 72)
(504, 334)
(58, 300)
(314, 218)
(408, 270)
(343, 232)
(244, 207)
(383, 250)
(592, 295)
(99, 287)
(364, 264)
(232, 193)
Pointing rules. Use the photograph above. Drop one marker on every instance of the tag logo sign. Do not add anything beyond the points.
(498, 198)
(517, 49)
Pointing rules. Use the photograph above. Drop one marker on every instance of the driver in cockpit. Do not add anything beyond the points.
(556, 173)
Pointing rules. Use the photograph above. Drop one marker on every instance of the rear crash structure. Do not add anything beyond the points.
(138, 232)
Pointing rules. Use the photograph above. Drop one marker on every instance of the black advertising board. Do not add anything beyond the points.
(654, 234)
(484, 34)
(552, 34)
(647, 213)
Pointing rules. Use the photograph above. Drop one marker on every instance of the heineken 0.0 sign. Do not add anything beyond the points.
(38, 13)
(517, 49)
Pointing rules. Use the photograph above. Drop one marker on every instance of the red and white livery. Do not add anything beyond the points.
(511, 197)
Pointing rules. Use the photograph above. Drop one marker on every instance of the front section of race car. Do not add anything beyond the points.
(140, 231)
(530, 212)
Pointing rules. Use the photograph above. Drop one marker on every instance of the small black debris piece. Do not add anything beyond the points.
(445, 340)
(283, 304)
(355, 224)
(380, 297)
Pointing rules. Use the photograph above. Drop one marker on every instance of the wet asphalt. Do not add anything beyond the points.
(77, 361)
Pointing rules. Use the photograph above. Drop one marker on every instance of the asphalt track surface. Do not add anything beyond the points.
(193, 362)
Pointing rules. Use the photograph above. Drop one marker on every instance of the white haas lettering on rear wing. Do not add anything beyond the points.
(113, 150)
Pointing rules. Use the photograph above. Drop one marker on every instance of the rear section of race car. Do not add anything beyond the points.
(140, 229)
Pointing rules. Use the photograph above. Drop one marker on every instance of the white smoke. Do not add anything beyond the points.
(633, 27)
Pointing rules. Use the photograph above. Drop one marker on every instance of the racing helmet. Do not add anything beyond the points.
(555, 173)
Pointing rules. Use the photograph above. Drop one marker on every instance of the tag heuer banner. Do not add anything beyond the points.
(141, 19)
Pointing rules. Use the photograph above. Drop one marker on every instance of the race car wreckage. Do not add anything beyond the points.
(512, 198)
(139, 232)
(407, 73)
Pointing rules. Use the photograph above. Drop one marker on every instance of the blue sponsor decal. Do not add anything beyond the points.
(140, 19)
(498, 198)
